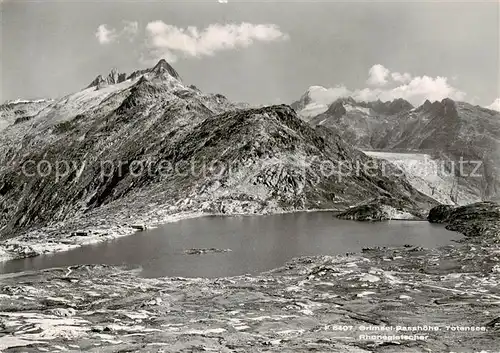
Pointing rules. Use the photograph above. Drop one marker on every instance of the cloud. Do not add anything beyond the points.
(130, 29)
(378, 75)
(105, 35)
(169, 42)
(322, 95)
(403, 78)
(495, 105)
(414, 89)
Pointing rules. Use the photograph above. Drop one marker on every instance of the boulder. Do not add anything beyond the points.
(440, 214)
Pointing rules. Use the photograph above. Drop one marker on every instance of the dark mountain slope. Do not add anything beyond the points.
(360, 123)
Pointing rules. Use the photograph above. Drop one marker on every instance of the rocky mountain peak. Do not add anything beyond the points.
(350, 100)
(427, 105)
(448, 102)
(113, 77)
(393, 107)
(163, 68)
(97, 82)
(449, 109)
(445, 107)
(337, 108)
(399, 105)
(304, 100)
(402, 101)
(116, 77)
(347, 100)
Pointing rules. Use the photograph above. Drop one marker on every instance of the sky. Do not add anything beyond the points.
(260, 52)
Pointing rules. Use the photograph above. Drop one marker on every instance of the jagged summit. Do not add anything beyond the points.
(393, 107)
(317, 100)
(113, 77)
(337, 109)
(341, 105)
(445, 105)
(426, 105)
(163, 68)
(116, 77)
(97, 82)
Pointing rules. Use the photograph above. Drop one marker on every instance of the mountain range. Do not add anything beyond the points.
(449, 132)
(142, 147)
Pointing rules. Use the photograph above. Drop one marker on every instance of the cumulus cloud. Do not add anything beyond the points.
(495, 105)
(403, 78)
(378, 75)
(414, 89)
(105, 35)
(325, 96)
(169, 42)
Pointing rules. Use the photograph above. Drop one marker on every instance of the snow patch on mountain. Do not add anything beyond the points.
(313, 109)
(85, 100)
(351, 108)
(313, 102)
(24, 101)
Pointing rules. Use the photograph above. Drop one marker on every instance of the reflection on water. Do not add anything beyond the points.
(258, 243)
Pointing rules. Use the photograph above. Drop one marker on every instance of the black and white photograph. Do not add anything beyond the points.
(233, 176)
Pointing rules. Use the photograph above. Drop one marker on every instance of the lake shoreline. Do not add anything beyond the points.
(251, 244)
(35, 243)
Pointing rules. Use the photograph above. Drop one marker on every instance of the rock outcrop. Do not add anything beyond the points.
(383, 209)
(440, 214)
(480, 219)
(113, 78)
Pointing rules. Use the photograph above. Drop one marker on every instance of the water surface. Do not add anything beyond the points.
(258, 243)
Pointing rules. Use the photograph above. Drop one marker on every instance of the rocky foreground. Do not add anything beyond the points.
(382, 300)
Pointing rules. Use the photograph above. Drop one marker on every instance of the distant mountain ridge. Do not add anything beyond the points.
(16, 111)
(161, 70)
(317, 100)
(359, 122)
(449, 131)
